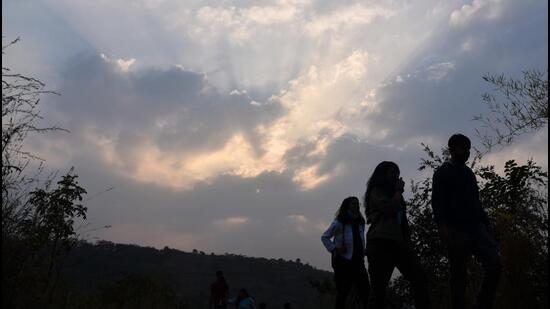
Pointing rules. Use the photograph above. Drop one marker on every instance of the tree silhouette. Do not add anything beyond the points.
(517, 106)
(37, 217)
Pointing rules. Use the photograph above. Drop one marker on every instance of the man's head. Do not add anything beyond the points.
(263, 306)
(287, 306)
(219, 274)
(459, 147)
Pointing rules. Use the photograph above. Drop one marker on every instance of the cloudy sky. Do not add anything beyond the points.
(239, 126)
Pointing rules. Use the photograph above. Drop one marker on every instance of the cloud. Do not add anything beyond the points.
(440, 87)
(306, 226)
(478, 9)
(230, 222)
(313, 102)
(242, 128)
(170, 123)
(439, 71)
(155, 235)
(531, 146)
(245, 24)
(123, 64)
(341, 20)
(173, 124)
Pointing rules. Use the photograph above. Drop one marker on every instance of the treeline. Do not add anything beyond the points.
(109, 275)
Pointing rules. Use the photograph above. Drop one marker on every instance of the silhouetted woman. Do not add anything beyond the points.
(345, 240)
(388, 237)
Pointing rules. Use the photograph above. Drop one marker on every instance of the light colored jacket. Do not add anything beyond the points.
(247, 303)
(338, 235)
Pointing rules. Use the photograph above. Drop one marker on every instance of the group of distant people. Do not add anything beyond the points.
(463, 228)
(219, 296)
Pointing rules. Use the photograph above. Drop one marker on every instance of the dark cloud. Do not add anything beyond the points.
(439, 90)
(176, 110)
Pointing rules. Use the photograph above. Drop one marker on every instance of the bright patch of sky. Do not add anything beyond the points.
(224, 120)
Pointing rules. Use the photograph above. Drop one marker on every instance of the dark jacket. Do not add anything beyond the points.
(388, 217)
(455, 197)
(219, 291)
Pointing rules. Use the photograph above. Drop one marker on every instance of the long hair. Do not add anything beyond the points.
(378, 180)
(342, 214)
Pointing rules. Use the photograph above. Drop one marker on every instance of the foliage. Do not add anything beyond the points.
(519, 106)
(20, 100)
(96, 270)
(326, 290)
(37, 220)
(516, 202)
(136, 291)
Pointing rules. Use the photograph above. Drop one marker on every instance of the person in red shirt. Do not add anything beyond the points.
(219, 292)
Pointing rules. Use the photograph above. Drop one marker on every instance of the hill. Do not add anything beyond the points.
(120, 274)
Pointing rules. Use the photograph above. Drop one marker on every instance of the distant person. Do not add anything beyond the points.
(345, 240)
(388, 238)
(263, 305)
(463, 224)
(287, 306)
(219, 292)
(243, 300)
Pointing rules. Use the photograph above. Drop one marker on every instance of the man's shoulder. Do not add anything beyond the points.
(444, 168)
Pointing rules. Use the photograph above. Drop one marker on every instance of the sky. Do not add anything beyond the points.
(240, 126)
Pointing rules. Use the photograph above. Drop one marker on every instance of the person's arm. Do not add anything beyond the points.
(482, 213)
(328, 235)
(381, 203)
(327, 238)
(440, 200)
(440, 197)
(405, 222)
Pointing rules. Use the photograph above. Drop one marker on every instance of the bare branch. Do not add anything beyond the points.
(517, 106)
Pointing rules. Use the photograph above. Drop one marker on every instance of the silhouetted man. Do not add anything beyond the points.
(219, 292)
(287, 306)
(463, 224)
